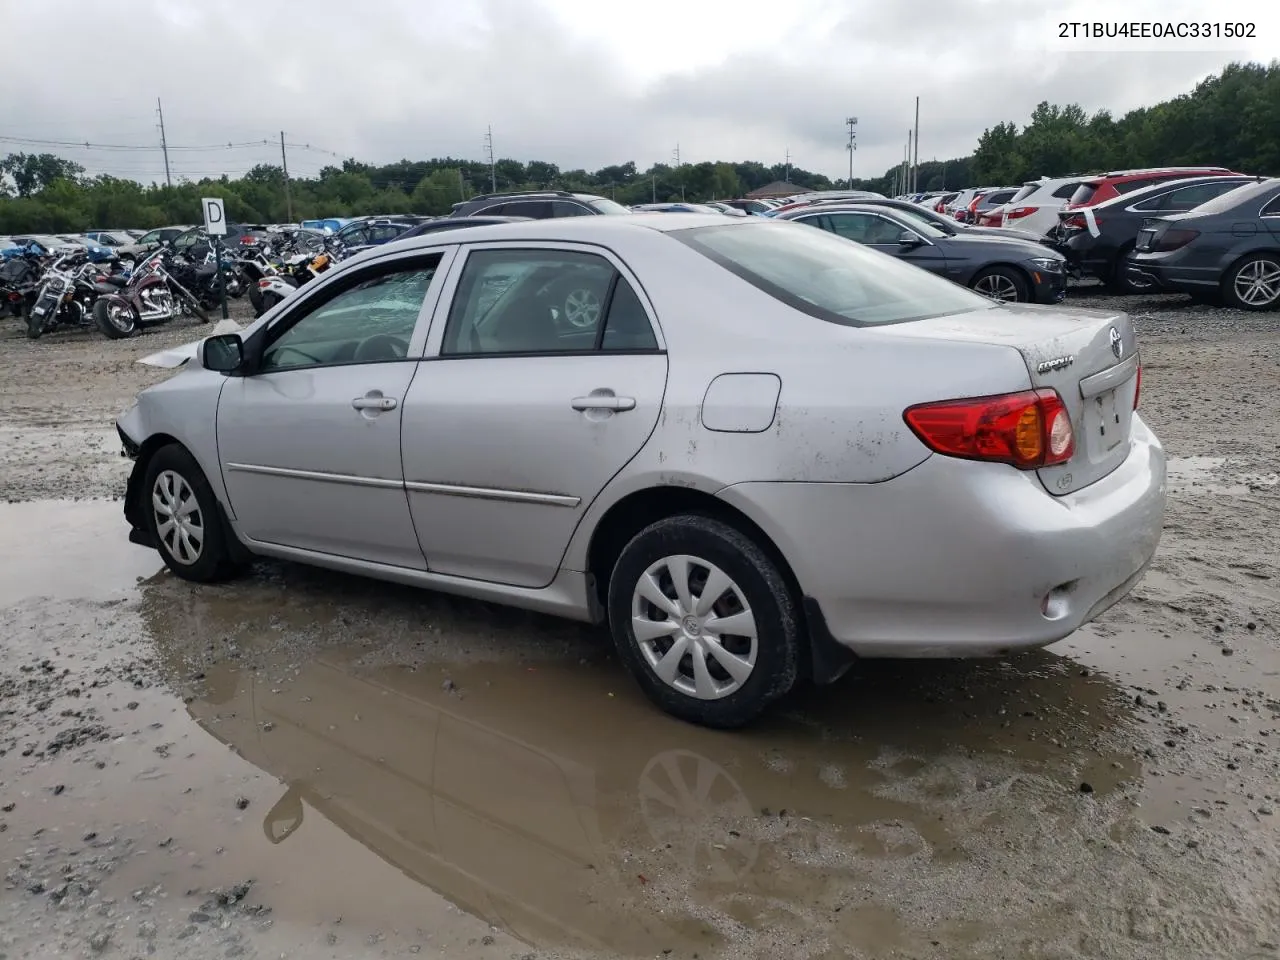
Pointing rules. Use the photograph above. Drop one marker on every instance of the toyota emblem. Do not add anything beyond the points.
(1117, 345)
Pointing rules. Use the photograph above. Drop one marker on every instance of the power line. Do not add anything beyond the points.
(207, 148)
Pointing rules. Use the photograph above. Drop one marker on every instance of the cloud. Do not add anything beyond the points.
(577, 82)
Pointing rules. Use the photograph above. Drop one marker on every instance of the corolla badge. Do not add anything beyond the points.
(1117, 345)
(1057, 363)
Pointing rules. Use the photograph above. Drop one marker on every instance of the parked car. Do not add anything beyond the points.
(1097, 240)
(1106, 186)
(454, 223)
(1226, 249)
(1001, 269)
(367, 232)
(982, 208)
(149, 242)
(1035, 207)
(110, 238)
(751, 206)
(950, 224)
(824, 196)
(955, 476)
(538, 205)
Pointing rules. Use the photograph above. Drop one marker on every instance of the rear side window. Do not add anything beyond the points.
(1188, 198)
(564, 208)
(535, 209)
(1084, 193)
(827, 277)
(1272, 209)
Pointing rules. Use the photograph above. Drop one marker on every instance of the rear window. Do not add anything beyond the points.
(827, 276)
(1027, 190)
(1066, 190)
(1084, 193)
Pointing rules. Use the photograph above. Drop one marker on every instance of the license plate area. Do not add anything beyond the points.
(1105, 428)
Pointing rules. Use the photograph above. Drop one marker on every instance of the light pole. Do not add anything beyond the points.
(851, 122)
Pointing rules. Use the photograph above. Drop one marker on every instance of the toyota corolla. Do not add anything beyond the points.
(755, 450)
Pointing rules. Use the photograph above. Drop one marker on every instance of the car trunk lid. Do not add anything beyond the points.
(1088, 356)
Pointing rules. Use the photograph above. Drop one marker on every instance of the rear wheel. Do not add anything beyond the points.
(117, 320)
(1003, 284)
(704, 620)
(182, 514)
(1253, 283)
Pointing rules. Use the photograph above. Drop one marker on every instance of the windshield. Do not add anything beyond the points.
(1246, 193)
(921, 225)
(827, 276)
(603, 205)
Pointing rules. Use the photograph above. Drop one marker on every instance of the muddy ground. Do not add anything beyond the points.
(308, 765)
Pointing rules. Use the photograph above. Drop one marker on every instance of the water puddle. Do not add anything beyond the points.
(1214, 475)
(69, 549)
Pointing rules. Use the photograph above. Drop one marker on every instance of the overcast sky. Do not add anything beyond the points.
(581, 83)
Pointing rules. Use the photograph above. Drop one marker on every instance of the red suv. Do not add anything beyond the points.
(1105, 186)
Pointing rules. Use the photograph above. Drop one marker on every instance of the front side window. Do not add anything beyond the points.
(543, 302)
(369, 321)
(152, 237)
(826, 277)
(565, 208)
(534, 209)
(607, 206)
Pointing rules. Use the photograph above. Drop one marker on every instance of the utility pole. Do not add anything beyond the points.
(493, 166)
(907, 177)
(164, 145)
(676, 156)
(462, 190)
(288, 199)
(654, 185)
(915, 156)
(851, 122)
(787, 178)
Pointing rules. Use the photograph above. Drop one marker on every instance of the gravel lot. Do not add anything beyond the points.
(304, 764)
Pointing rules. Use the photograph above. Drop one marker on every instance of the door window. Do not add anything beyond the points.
(566, 208)
(866, 228)
(535, 209)
(1272, 209)
(152, 237)
(543, 301)
(1188, 198)
(368, 320)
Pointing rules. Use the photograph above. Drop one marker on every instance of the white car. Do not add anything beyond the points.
(1035, 207)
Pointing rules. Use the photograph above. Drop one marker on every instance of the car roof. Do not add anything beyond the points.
(1176, 183)
(599, 230)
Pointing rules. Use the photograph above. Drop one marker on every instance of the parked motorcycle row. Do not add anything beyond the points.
(70, 290)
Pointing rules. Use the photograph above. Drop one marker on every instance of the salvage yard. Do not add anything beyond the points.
(307, 764)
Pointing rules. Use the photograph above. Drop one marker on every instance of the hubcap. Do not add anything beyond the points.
(997, 287)
(582, 308)
(179, 522)
(121, 317)
(1258, 283)
(694, 627)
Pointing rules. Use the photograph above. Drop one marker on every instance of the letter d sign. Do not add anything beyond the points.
(215, 217)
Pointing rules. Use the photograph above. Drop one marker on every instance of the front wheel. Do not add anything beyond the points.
(117, 320)
(1253, 283)
(183, 517)
(1002, 284)
(704, 621)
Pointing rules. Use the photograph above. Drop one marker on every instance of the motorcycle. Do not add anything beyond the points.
(65, 296)
(19, 281)
(145, 297)
(296, 271)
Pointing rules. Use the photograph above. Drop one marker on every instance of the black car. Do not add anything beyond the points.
(950, 224)
(1227, 249)
(997, 267)
(453, 223)
(538, 205)
(1097, 243)
(373, 231)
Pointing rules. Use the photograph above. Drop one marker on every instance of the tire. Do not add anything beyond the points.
(269, 300)
(1121, 282)
(1002, 278)
(706, 547)
(110, 325)
(199, 549)
(35, 325)
(1253, 283)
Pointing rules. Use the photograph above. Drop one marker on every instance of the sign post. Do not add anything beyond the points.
(215, 224)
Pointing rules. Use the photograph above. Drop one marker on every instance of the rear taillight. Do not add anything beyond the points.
(1173, 240)
(1018, 212)
(1027, 430)
(1078, 221)
(1137, 388)
(265, 282)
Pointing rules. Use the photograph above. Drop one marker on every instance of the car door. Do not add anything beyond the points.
(309, 441)
(546, 379)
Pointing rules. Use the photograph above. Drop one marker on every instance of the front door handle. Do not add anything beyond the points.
(604, 401)
(374, 400)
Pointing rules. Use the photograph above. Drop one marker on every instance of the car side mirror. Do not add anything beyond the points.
(908, 239)
(223, 353)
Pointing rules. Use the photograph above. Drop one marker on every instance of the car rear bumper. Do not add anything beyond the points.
(958, 558)
(1176, 279)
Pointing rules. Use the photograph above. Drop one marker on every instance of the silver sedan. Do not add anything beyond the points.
(756, 450)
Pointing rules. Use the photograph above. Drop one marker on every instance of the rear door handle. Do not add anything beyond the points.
(599, 401)
(374, 401)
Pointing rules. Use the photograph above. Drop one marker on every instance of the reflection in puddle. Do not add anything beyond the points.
(1213, 475)
(93, 560)
(550, 799)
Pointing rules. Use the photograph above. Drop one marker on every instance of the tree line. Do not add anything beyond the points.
(1231, 119)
